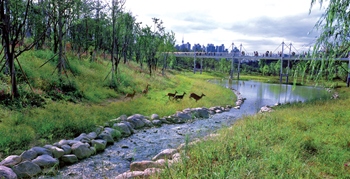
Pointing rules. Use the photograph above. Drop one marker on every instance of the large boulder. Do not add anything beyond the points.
(57, 152)
(70, 159)
(42, 151)
(83, 138)
(81, 150)
(124, 129)
(29, 155)
(45, 161)
(181, 117)
(200, 112)
(164, 120)
(130, 175)
(92, 135)
(155, 116)
(154, 172)
(143, 165)
(11, 160)
(157, 122)
(129, 126)
(99, 144)
(105, 135)
(26, 169)
(167, 153)
(7, 173)
(136, 121)
(99, 129)
(72, 142)
(147, 123)
(67, 149)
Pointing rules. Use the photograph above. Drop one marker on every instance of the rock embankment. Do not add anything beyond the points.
(45, 160)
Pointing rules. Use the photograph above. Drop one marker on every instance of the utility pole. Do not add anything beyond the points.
(194, 61)
(239, 60)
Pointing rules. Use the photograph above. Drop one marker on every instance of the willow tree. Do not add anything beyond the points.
(333, 42)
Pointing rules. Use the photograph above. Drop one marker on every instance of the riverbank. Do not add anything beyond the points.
(21, 130)
(298, 140)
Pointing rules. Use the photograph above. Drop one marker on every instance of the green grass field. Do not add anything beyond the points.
(302, 140)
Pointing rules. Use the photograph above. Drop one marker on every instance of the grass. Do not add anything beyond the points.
(94, 102)
(301, 140)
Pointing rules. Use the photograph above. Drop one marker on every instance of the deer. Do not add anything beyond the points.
(179, 96)
(196, 97)
(145, 91)
(130, 95)
(171, 94)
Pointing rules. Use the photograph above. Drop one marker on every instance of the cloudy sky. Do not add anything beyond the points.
(257, 25)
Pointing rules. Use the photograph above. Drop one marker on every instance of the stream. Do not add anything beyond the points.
(146, 143)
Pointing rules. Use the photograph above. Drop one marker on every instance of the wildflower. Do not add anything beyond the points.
(346, 164)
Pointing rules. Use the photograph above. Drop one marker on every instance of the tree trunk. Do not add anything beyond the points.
(60, 48)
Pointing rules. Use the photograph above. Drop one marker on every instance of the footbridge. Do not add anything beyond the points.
(280, 55)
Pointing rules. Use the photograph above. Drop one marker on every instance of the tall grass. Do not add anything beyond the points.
(296, 141)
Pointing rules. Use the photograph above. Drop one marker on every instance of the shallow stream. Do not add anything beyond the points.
(146, 143)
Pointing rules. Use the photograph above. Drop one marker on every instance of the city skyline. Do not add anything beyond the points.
(257, 25)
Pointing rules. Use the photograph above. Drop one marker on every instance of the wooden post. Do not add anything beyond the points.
(281, 63)
(232, 63)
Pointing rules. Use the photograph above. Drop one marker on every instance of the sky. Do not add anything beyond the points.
(256, 24)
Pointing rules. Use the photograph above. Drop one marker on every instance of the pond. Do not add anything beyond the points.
(146, 143)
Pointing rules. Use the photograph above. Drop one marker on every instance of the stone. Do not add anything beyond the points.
(123, 117)
(124, 129)
(154, 172)
(187, 110)
(147, 123)
(105, 135)
(129, 126)
(70, 159)
(92, 135)
(26, 169)
(99, 144)
(109, 130)
(45, 161)
(57, 152)
(29, 155)
(62, 142)
(7, 173)
(11, 160)
(218, 111)
(265, 109)
(157, 122)
(81, 150)
(277, 104)
(42, 151)
(212, 108)
(143, 165)
(211, 112)
(237, 107)
(183, 116)
(52, 171)
(228, 106)
(200, 112)
(155, 116)
(130, 175)
(83, 138)
(72, 142)
(183, 145)
(165, 153)
(136, 121)
(148, 118)
(164, 120)
(99, 129)
(67, 149)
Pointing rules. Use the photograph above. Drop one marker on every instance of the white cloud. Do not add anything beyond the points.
(258, 25)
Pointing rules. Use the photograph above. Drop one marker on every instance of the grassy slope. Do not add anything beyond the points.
(304, 140)
(22, 129)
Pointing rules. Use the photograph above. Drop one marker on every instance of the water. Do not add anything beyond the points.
(146, 143)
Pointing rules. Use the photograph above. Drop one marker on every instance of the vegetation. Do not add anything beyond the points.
(300, 140)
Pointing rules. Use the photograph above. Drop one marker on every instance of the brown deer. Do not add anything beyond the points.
(179, 96)
(171, 94)
(196, 97)
(130, 95)
(145, 91)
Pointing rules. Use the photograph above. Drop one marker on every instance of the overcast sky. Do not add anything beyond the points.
(256, 24)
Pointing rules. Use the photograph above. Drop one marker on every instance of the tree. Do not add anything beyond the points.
(14, 18)
(334, 39)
